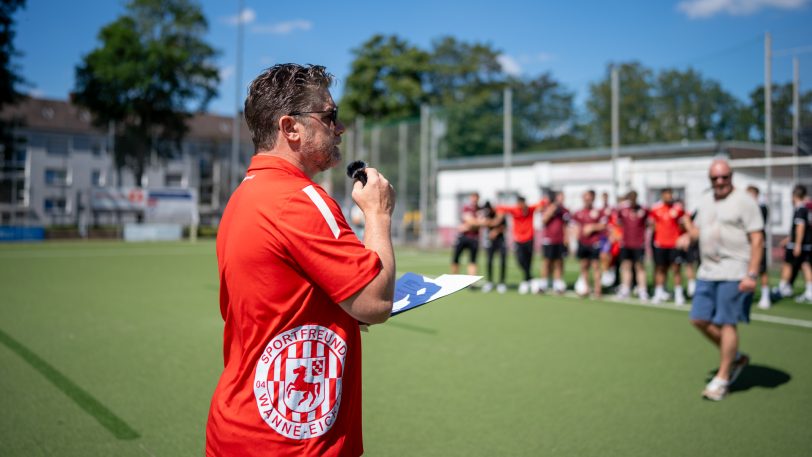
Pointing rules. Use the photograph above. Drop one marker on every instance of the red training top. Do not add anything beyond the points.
(553, 232)
(586, 216)
(633, 222)
(469, 210)
(522, 219)
(291, 384)
(666, 224)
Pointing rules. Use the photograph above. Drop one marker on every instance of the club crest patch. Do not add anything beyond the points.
(298, 381)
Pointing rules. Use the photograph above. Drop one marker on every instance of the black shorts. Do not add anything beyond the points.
(763, 266)
(636, 255)
(554, 251)
(667, 257)
(463, 243)
(692, 254)
(790, 258)
(587, 252)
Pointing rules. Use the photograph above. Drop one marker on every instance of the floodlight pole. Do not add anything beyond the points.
(796, 114)
(235, 126)
(425, 112)
(507, 136)
(768, 139)
(615, 128)
(403, 181)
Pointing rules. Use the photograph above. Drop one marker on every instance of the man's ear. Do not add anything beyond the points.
(289, 128)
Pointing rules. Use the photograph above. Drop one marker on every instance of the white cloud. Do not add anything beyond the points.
(509, 65)
(283, 28)
(36, 93)
(246, 16)
(701, 9)
(541, 57)
(226, 72)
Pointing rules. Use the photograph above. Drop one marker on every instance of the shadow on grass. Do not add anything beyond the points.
(411, 327)
(757, 376)
(760, 376)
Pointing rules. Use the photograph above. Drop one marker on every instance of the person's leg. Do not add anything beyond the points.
(728, 347)
(679, 296)
(585, 274)
(596, 276)
(625, 277)
(502, 261)
(711, 331)
(455, 255)
(703, 310)
(641, 276)
(491, 252)
(472, 266)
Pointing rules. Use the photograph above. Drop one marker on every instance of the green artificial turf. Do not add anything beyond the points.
(114, 349)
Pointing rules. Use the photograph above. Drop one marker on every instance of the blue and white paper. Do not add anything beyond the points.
(413, 290)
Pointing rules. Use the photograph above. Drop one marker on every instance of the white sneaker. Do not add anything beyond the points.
(559, 286)
(622, 292)
(642, 294)
(803, 298)
(544, 284)
(691, 287)
(679, 299)
(716, 389)
(501, 288)
(659, 297)
(765, 302)
(535, 287)
(608, 278)
(581, 287)
(524, 287)
(785, 290)
(487, 287)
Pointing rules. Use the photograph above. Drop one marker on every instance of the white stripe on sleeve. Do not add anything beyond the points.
(323, 208)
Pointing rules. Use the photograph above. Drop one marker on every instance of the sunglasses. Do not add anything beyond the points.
(722, 177)
(333, 114)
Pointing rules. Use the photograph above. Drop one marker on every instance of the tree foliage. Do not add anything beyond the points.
(151, 66)
(782, 112)
(10, 77)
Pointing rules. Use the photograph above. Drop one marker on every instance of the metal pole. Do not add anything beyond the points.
(235, 126)
(507, 136)
(615, 128)
(433, 153)
(768, 139)
(403, 181)
(796, 114)
(349, 148)
(375, 147)
(359, 140)
(425, 112)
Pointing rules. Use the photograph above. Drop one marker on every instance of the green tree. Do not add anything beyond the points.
(466, 82)
(151, 66)
(690, 107)
(637, 114)
(10, 78)
(781, 112)
(545, 115)
(386, 80)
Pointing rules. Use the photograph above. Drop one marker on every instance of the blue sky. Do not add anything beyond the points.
(574, 40)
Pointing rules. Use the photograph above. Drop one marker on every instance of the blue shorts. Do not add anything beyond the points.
(721, 302)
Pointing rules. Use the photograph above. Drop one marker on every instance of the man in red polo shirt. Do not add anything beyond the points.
(591, 223)
(295, 281)
(631, 218)
(553, 243)
(522, 217)
(667, 216)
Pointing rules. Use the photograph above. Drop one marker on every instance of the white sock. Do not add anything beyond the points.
(677, 290)
(659, 290)
(809, 289)
(782, 284)
(765, 291)
(544, 283)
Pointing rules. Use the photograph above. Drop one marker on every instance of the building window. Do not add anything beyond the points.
(173, 180)
(56, 205)
(96, 178)
(56, 176)
(81, 143)
(57, 145)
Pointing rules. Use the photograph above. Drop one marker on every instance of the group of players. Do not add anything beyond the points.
(612, 240)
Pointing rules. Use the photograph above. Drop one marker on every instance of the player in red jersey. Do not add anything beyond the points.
(522, 218)
(632, 217)
(468, 235)
(591, 222)
(555, 217)
(667, 216)
(295, 281)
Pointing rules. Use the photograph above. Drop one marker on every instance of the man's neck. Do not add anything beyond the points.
(291, 157)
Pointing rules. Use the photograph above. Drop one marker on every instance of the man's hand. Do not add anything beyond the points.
(747, 284)
(684, 241)
(377, 197)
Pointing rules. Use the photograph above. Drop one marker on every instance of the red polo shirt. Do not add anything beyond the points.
(522, 219)
(667, 227)
(291, 384)
(632, 219)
